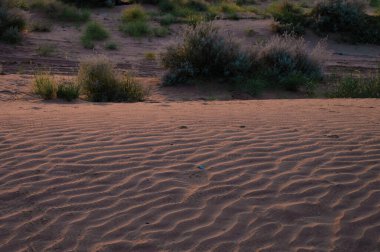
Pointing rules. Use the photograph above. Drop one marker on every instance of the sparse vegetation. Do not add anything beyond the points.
(46, 50)
(101, 82)
(111, 46)
(57, 10)
(45, 86)
(150, 56)
(289, 18)
(68, 90)
(40, 26)
(93, 32)
(12, 23)
(282, 62)
(357, 87)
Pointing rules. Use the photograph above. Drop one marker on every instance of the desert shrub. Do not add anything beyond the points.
(289, 18)
(204, 53)
(111, 46)
(160, 31)
(168, 19)
(68, 90)
(136, 28)
(11, 35)
(96, 31)
(288, 63)
(150, 56)
(46, 50)
(101, 82)
(12, 22)
(348, 18)
(57, 10)
(357, 87)
(134, 13)
(45, 86)
(93, 32)
(252, 86)
(40, 26)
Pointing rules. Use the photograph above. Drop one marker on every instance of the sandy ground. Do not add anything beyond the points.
(275, 175)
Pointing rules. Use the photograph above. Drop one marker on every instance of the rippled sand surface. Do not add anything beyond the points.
(284, 175)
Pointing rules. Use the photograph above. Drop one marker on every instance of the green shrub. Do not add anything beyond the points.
(359, 87)
(87, 42)
(168, 19)
(111, 46)
(136, 29)
(134, 13)
(289, 18)
(347, 18)
(102, 83)
(288, 62)
(12, 22)
(40, 26)
(45, 86)
(11, 36)
(57, 10)
(68, 90)
(204, 53)
(251, 86)
(46, 50)
(160, 31)
(95, 31)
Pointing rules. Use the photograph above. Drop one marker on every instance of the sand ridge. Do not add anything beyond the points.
(276, 175)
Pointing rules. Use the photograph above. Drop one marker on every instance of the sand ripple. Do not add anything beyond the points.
(223, 176)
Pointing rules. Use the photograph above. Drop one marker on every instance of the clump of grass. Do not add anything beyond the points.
(93, 32)
(112, 46)
(136, 29)
(288, 62)
(150, 56)
(68, 90)
(101, 82)
(45, 86)
(357, 87)
(40, 26)
(168, 19)
(46, 50)
(12, 23)
(134, 13)
(289, 18)
(204, 53)
(60, 11)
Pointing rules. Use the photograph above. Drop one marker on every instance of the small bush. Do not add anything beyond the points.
(150, 56)
(168, 19)
(12, 22)
(359, 87)
(136, 29)
(87, 42)
(289, 18)
(40, 26)
(68, 91)
(134, 13)
(160, 32)
(102, 83)
(45, 86)
(46, 50)
(111, 46)
(204, 53)
(60, 11)
(11, 35)
(96, 31)
(287, 61)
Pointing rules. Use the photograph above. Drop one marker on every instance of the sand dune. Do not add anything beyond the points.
(299, 175)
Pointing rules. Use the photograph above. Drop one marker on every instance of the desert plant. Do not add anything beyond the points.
(168, 19)
(289, 18)
(101, 82)
(40, 26)
(150, 56)
(204, 53)
(134, 13)
(45, 86)
(96, 31)
(68, 90)
(46, 50)
(287, 61)
(357, 87)
(111, 46)
(136, 29)
(12, 22)
(57, 10)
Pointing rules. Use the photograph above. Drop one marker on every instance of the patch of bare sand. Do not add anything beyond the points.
(284, 175)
